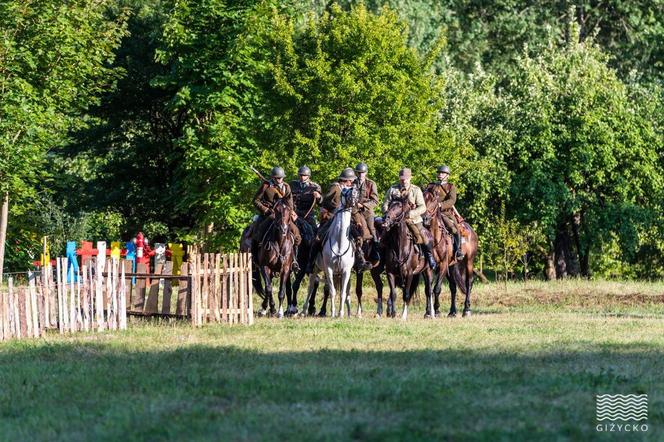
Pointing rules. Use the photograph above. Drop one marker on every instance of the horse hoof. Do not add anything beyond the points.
(451, 315)
(428, 316)
(437, 315)
(322, 314)
(262, 313)
(466, 313)
(378, 316)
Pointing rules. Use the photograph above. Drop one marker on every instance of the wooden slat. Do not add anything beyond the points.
(224, 290)
(123, 300)
(183, 291)
(153, 294)
(243, 290)
(217, 287)
(205, 298)
(167, 292)
(33, 305)
(139, 289)
(99, 298)
(232, 289)
(250, 289)
(126, 268)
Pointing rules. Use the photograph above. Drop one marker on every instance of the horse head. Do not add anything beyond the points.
(349, 198)
(397, 212)
(282, 217)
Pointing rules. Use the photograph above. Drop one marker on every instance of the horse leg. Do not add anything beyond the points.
(289, 294)
(297, 282)
(329, 282)
(358, 292)
(437, 288)
(375, 274)
(283, 283)
(326, 295)
(406, 296)
(311, 292)
(345, 292)
(469, 286)
(267, 283)
(453, 292)
(391, 300)
(428, 276)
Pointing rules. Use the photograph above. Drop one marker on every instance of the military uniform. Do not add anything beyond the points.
(446, 193)
(364, 215)
(413, 195)
(304, 199)
(264, 200)
(330, 203)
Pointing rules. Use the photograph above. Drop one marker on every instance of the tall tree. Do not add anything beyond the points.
(53, 63)
(584, 157)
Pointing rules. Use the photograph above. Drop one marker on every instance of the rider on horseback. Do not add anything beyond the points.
(413, 194)
(331, 202)
(266, 197)
(363, 214)
(306, 194)
(446, 199)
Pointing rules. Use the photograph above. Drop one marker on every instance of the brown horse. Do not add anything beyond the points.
(458, 274)
(404, 263)
(442, 241)
(276, 255)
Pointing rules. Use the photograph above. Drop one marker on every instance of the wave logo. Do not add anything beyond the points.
(624, 407)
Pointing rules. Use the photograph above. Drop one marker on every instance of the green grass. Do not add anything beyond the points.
(526, 366)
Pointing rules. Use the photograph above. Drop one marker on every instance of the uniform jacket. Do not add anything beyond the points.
(269, 193)
(303, 195)
(415, 198)
(446, 196)
(368, 193)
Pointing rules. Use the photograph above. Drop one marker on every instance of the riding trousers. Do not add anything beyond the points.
(416, 230)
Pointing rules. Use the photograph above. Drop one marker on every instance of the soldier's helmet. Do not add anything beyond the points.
(278, 172)
(443, 169)
(304, 170)
(347, 174)
(361, 168)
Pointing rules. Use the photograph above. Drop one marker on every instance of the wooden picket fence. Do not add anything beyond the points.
(221, 288)
(89, 302)
(210, 288)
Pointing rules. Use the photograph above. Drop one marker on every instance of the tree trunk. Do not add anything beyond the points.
(550, 267)
(566, 261)
(582, 249)
(4, 214)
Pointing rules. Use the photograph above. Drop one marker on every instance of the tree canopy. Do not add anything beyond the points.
(150, 113)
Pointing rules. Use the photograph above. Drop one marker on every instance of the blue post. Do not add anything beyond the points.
(72, 262)
(131, 256)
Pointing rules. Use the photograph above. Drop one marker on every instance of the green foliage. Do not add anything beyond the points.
(348, 88)
(53, 65)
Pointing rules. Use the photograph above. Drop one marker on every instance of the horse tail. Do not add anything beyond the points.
(413, 287)
(460, 277)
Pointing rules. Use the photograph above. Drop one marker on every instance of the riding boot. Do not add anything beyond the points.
(428, 255)
(295, 266)
(362, 263)
(313, 254)
(373, 250)
(459, 251)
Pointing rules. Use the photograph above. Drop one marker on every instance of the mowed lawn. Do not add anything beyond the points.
(526, 366)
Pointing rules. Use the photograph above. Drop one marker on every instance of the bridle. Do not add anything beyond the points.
(348, 203)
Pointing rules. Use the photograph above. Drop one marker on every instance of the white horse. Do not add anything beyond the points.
(338, 254)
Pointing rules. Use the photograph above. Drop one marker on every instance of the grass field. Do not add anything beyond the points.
(526, 366)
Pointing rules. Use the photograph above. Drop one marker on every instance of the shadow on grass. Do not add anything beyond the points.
(82, 391)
